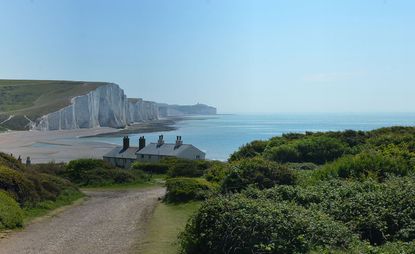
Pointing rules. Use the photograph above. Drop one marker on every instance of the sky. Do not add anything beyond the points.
(241, 56)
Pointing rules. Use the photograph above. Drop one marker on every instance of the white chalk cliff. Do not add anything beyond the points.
(106, 106)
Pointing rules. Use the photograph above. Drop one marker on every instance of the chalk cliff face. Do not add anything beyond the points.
(106, 106)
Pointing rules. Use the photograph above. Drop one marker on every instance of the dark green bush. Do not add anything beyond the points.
(283, 153)
(18, 186)
(152, 168)
(11, 215)
(236, 224)
(10, 162)
(87, 164)
(377, 212)
(249, 150)
(217, 172)
(94, 172)
(257, 172)
(184, 189)
(186, 168)
(370, 163)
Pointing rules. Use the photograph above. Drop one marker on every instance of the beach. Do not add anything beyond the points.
(66, 145)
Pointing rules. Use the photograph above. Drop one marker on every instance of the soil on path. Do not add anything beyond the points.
(107, 222)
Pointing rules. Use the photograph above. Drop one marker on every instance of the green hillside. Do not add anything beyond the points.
(30, 99)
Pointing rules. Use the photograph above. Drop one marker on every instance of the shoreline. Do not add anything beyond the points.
(67, 145)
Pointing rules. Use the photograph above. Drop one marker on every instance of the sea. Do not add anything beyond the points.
(220, 135)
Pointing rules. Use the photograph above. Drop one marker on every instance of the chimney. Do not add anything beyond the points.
(141, 143)
(160, 142)
(179, 142)
(126, 143)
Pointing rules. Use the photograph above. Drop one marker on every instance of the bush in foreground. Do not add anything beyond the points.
(11, 215)
(183, 189)
(256, 172)
(236, 224)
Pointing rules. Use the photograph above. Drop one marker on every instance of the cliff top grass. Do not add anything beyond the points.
(34, 98)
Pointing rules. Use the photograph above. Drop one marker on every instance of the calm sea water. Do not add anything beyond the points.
(220, 135)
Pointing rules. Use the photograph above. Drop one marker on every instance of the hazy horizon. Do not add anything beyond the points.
(240, 56)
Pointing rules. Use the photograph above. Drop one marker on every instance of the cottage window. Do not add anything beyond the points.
(142, 156)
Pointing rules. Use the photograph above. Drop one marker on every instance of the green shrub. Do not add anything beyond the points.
(377, 212)
(18, 186)
(92, 172)
(11, 215)
(186, 168)
(283, 153)
(153, 168)
(236, 224)
(249, 150)
(184, 189)
(10, 162)
(217, 172)
(370, 163)
(87, 164)
(257, 172)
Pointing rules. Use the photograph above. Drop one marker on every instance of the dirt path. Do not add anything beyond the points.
(107, 222)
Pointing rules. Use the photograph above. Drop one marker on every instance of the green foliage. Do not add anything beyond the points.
(283, 153)
(370, 163)
(10, 162)
(87, 164)
(152, 168)
(184, 189)
(11, 215)
(186, 168)
(217, 172)
(93, 172)
(377, 212)
(249, 150)
(257, 172)
(236, 224)
(18, 186)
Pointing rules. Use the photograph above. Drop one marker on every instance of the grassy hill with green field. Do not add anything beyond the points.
(22, 101)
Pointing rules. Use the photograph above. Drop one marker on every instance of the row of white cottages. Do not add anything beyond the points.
(124, 156)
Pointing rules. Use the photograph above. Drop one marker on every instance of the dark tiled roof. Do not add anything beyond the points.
(118, 152)
(167, 149)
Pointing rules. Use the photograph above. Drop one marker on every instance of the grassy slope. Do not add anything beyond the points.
(35, 98)
(167, 222)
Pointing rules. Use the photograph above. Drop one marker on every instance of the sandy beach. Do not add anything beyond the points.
(58, 146)
(66, 145)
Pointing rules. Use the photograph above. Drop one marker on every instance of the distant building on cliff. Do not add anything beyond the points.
(124, 156)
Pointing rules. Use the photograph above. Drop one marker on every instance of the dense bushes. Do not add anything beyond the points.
(377, 212)
(186, 168)
(18, 186)
(258, 172)
(11, 215)
(370, 163)
(316, 149)
(152, 168)
(87, 172)
(185, 189)
(236, 224)
(249, 150)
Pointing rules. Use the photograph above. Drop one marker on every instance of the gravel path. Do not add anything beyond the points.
(107, 222)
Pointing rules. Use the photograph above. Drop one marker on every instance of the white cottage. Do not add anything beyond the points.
(124, 156)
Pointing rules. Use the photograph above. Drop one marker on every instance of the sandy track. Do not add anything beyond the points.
(107, 222)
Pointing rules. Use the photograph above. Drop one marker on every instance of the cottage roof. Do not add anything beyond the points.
(167, 149)
(119, 152)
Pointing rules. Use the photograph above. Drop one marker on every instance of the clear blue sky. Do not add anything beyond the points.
(241, 56)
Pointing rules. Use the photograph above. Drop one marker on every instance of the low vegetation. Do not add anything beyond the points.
(25, 191)
(331, 192)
